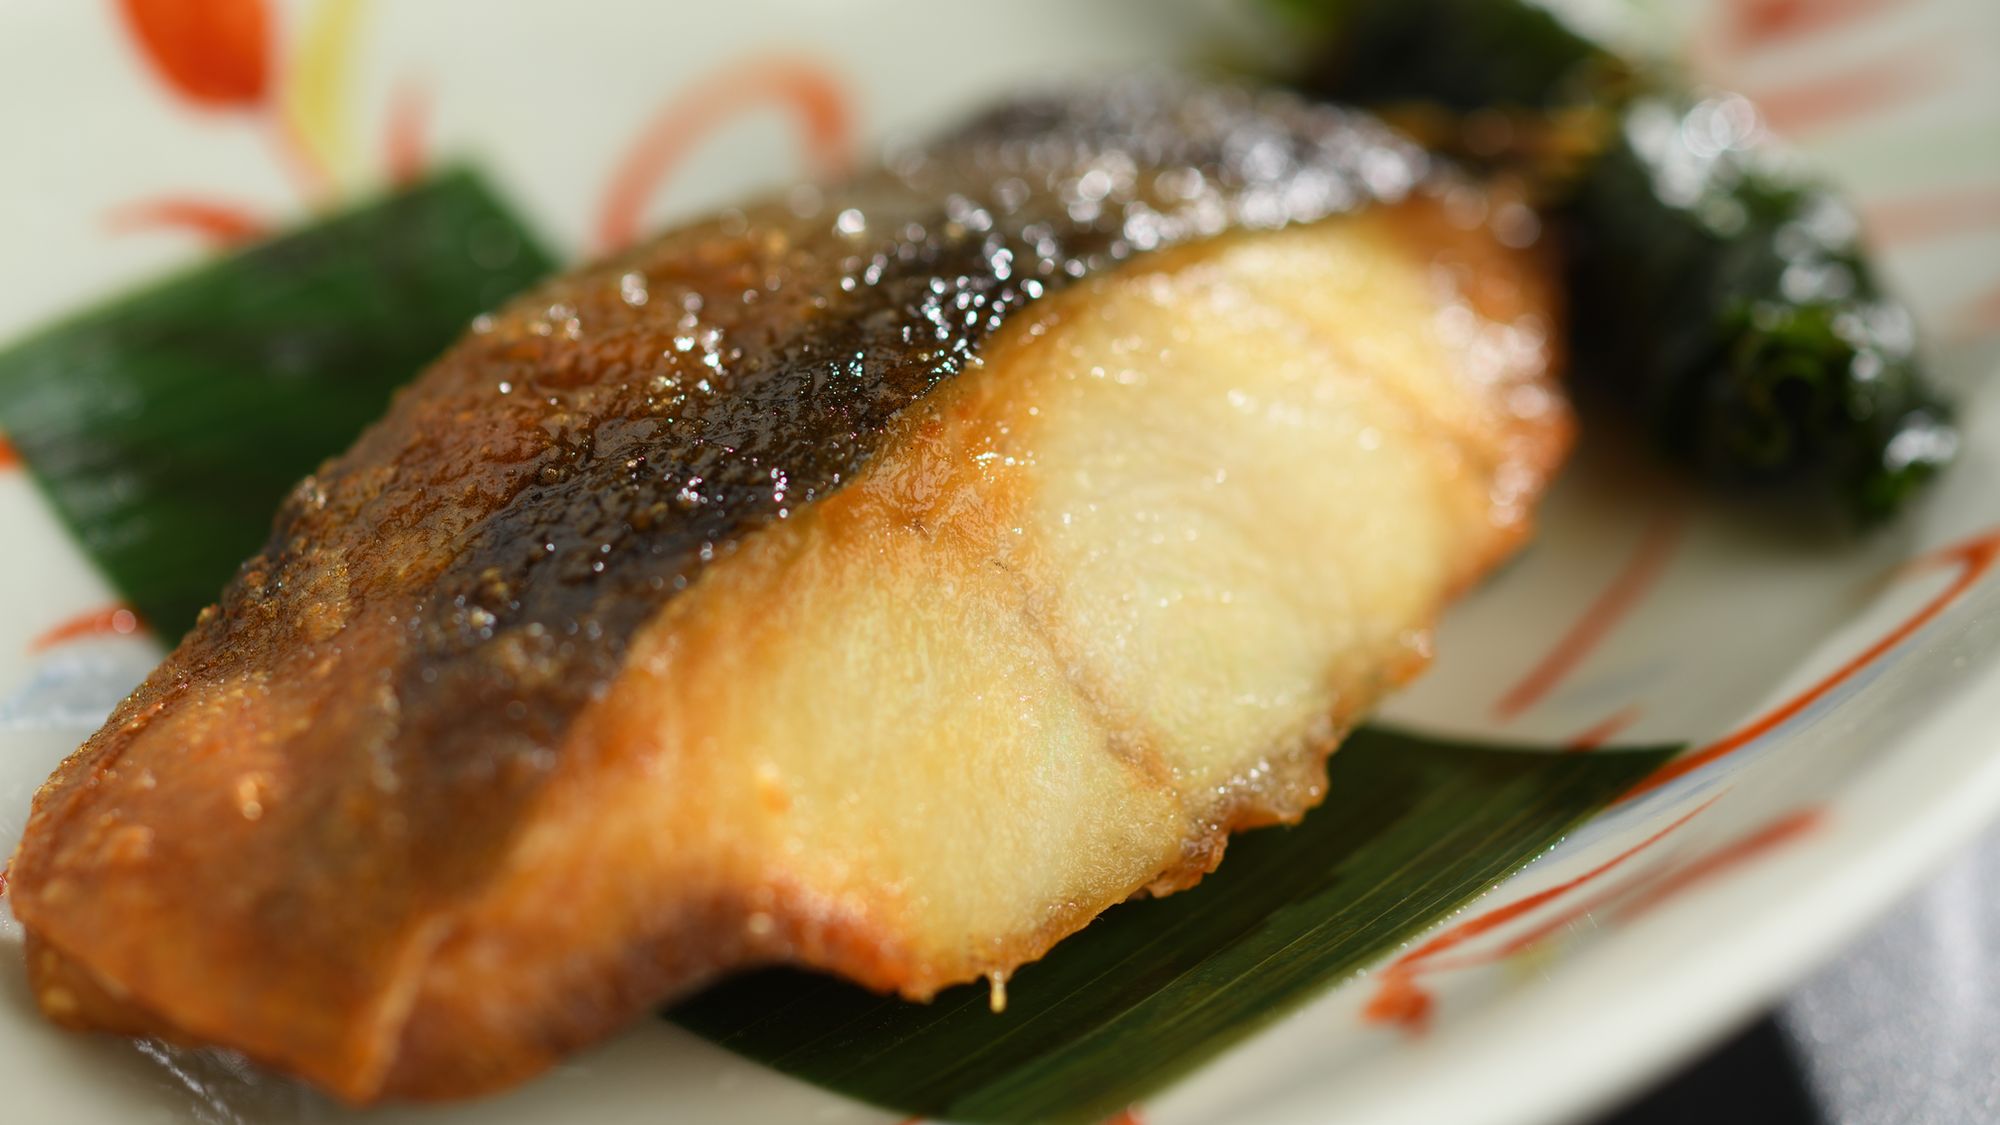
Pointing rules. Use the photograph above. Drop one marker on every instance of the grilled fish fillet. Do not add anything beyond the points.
(885, 579)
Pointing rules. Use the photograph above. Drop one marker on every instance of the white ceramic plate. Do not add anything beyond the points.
(1848, 693)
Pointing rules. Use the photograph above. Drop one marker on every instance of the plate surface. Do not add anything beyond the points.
(1843, 700)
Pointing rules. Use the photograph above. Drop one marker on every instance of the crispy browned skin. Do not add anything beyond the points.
(885, 581)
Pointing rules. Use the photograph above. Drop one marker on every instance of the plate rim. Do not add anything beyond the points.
(1550, 1053)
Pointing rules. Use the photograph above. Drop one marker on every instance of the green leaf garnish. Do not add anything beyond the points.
(166, 425)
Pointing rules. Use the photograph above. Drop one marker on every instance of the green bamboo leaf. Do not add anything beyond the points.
(166, 425)
(1412, 829)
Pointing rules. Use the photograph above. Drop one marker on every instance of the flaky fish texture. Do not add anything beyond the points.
(886, 579)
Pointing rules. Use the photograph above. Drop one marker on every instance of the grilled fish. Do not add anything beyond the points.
(885, 578)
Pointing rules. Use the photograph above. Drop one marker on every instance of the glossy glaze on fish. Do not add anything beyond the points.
(886, 578)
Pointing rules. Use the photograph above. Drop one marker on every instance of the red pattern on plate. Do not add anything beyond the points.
(213, 53)
(220, 224)
(1983, 313)
(1604, 731)
(1625, 591)
(403, 152)
(1869, 87)
(1398, 1000)
(1973, 558)
(109, 621)
(812, 92)
(1399, 997)
(9, 458)
(1401, 1001)
(1934, 215)
(308, 173)
(1758, 24)
(1648, 889)
(1737, 852)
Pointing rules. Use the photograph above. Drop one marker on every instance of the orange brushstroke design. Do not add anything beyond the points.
(217, 54)
(220, 224)
(1983, 314)
(404, 145)
(308, 173)
(1626, 589)
(811, 92)
(1936, 215)
(213, 53)
(1974, 558)
(1733, 854)
(1868, 88)
(1759, 24)
(10, 458)
(1642, 892)
(110, 621)
(1604, 731)
(1399, 1001)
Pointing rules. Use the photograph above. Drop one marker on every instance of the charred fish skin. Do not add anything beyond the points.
(368, 795)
